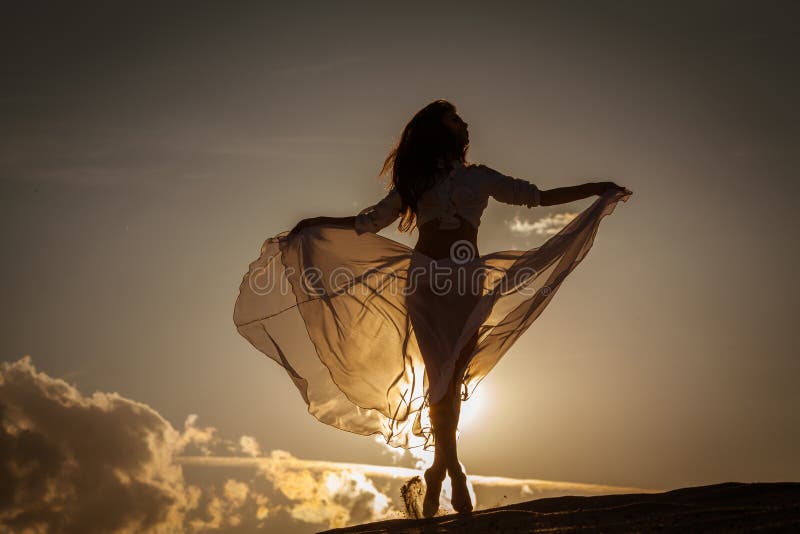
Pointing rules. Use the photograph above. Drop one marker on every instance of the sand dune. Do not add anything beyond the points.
(726, 507)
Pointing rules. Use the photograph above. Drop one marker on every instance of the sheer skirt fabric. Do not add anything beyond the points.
(369, 330)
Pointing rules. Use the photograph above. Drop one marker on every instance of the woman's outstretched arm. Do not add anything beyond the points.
(370, 219)
(564, 195)
(510, 190)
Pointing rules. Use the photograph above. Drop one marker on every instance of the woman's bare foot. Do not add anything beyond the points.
(433, 488)
(462, 503)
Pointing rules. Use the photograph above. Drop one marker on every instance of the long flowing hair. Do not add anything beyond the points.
(424, 146)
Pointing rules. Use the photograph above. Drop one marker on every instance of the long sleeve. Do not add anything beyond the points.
(380, 215)
(511, 190)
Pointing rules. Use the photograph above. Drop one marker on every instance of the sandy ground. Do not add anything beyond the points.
(727, 507)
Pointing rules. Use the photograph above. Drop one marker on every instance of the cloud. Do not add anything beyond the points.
(336, 495)
(314, 487)
(250, 446)
(78, 464)
(71, 462)
(549, 225)
(330, 493)
(228, 508)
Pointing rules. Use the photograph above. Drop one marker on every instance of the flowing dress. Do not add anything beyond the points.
(369, 329)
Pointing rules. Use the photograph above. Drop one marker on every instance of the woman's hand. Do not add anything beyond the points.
(602, 187)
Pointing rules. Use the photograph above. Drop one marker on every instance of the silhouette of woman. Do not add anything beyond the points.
(384, 339)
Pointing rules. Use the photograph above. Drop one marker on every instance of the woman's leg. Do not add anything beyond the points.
(444, 418)
(460, 497)
(443, 425)
(444, 415)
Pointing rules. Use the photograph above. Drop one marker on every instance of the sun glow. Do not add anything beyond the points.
(475, 407)
(472, 410)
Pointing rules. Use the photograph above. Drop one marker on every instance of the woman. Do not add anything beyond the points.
(396, 338)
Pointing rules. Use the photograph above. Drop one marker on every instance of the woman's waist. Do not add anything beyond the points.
(454, 243)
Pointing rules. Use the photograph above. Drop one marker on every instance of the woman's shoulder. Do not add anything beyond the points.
(478, 168)
(479, 171)
(476, 173)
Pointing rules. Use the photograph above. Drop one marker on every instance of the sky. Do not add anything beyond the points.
(149, 150)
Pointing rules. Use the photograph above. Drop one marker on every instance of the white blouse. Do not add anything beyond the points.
(465, 190)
